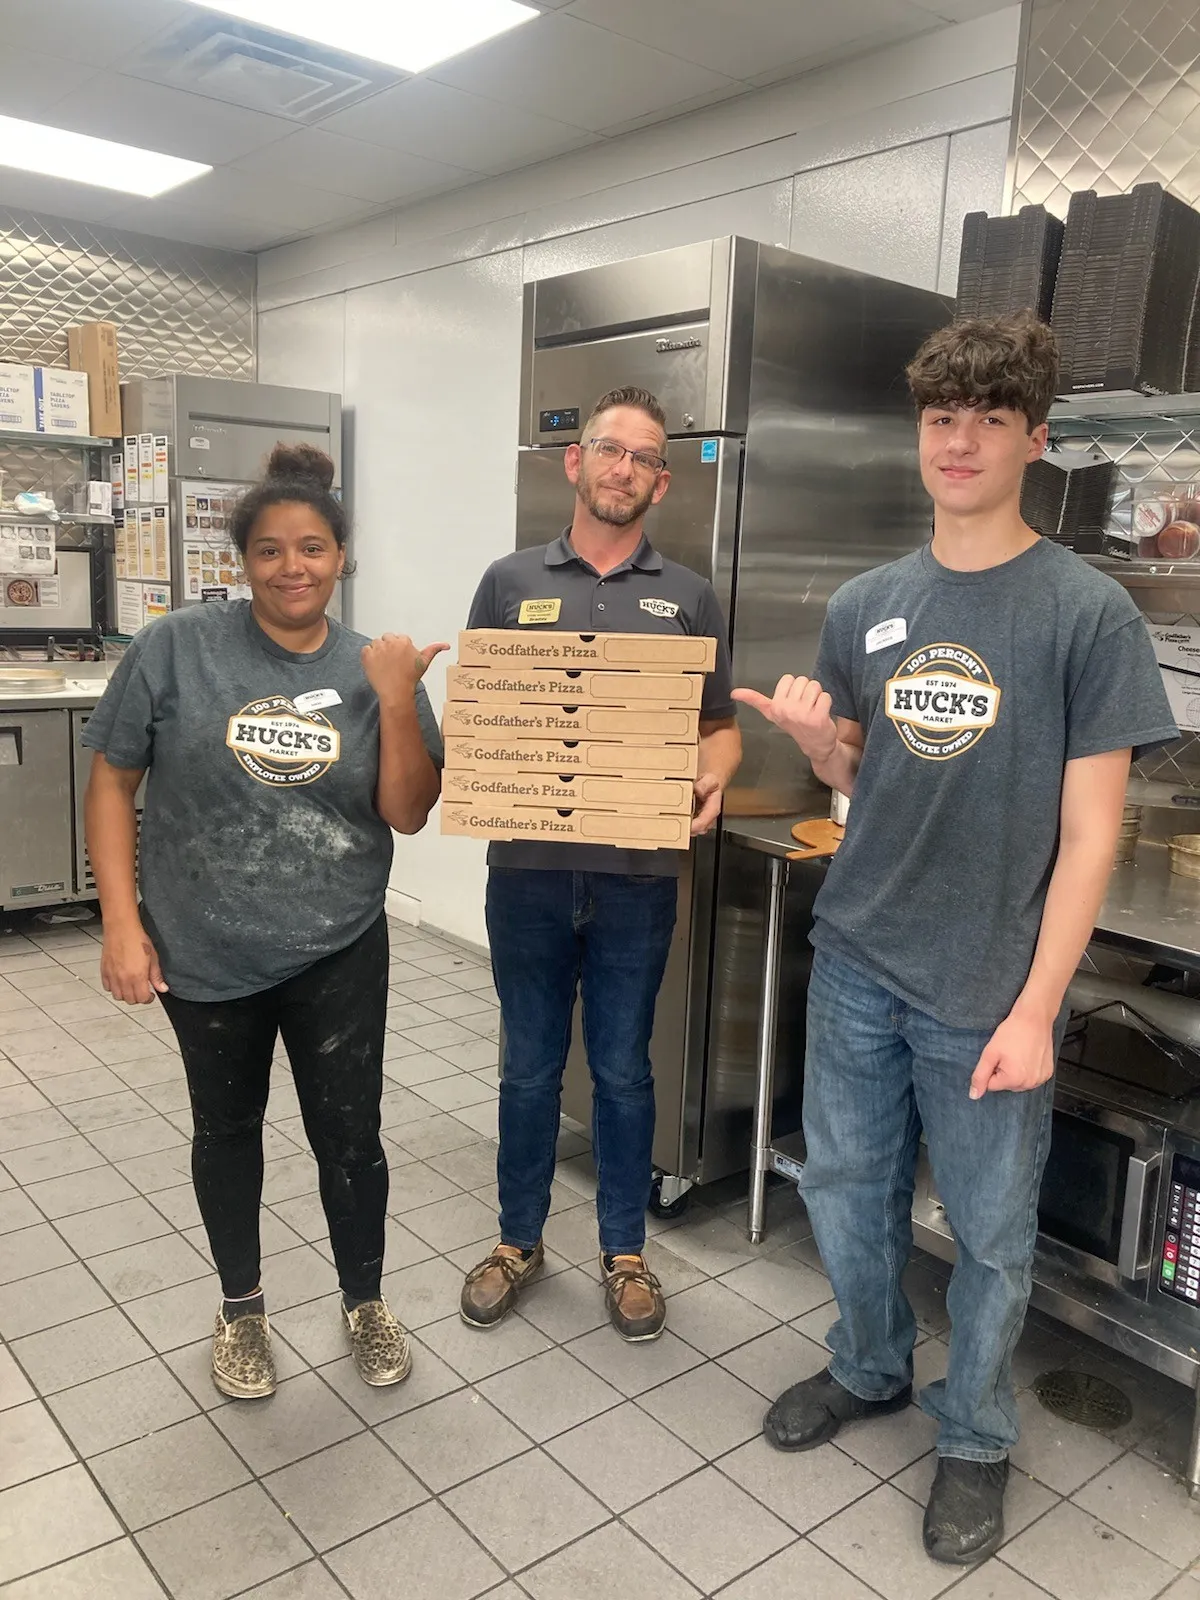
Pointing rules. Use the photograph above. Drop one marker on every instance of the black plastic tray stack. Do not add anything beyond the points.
(1066, 496)
(1126, 290)
(1008, 263)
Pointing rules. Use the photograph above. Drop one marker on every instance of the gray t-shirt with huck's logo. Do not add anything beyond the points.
(973, 689)
(261, 849)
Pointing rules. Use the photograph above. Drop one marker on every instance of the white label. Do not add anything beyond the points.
(660, 608)
(894, 631)
(317, 699)
(199, 442)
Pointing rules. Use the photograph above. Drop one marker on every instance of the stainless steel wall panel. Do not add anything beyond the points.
(1108, 96)
(178, 307)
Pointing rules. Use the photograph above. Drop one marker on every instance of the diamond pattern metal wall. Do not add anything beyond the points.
(1110, 97)
(177, 307)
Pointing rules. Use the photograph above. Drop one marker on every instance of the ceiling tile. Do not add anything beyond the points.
(964, 10)
(742, 38)
(563, 68)
(349, 167)
(132, 111)
(55, 197)
(83, 30)
(443, 124)
(26, 74)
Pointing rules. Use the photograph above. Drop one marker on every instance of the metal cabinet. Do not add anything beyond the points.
(36, 863)
(81, 767)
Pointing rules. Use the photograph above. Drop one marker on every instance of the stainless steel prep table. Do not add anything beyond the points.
(772, 838)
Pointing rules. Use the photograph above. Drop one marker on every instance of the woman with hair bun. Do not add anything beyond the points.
(281, 750)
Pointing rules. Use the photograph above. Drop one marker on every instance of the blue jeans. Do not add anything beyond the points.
(606, 935)
(877, 1071)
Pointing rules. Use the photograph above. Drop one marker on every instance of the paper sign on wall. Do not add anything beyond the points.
(211, 562)
(28, 547)
(1177, 649)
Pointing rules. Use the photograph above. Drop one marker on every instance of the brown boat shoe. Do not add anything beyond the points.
(636, 1307)
(492, 1289)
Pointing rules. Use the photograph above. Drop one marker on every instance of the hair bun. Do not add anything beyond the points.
(300, 463)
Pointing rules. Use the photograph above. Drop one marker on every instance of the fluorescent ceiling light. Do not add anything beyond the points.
(409, 34)
(33, 147)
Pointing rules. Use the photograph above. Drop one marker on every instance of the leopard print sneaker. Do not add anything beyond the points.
(242, 1364)
(378, 1343)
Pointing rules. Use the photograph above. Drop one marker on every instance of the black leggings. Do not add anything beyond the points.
(332, 1019)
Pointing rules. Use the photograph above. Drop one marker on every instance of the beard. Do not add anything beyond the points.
(619, 513)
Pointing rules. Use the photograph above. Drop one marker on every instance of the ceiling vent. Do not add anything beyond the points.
(264, 71)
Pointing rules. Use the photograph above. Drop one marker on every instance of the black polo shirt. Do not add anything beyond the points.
(646, 594)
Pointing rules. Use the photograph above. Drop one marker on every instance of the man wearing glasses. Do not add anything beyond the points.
(564, 916)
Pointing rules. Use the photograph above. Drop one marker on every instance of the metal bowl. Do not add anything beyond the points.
(1184, 854)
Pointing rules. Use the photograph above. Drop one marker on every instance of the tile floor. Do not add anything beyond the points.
(543, 1460)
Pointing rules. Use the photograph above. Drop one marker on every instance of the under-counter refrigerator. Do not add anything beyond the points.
(793, 467)
(191, 447)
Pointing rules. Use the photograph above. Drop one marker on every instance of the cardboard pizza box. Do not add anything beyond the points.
(609, 759)
(488, 821)
(544, 686)
(650, 652)
(556, 722)
(630, 795)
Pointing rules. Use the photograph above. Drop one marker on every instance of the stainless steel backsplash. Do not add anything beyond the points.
(178, 307)
(1108, 96)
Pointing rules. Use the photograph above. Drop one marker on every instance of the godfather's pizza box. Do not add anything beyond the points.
(610, 759)
(490, 821)
(520, 788)
(645, 652)
(557, 722)
(546, 686)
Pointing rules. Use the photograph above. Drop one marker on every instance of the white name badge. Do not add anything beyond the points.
(894, 631)
(317, 700)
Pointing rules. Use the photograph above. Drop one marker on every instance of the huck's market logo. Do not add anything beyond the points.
(942, 701)
(277, 745)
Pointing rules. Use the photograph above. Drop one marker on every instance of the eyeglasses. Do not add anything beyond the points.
(608, 450)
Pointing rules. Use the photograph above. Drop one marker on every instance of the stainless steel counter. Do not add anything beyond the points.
(772, 836)
(1153, 910)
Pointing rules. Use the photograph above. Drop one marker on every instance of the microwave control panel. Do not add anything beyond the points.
(1179, 1268)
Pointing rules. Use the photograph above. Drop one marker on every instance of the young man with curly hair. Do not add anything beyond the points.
(979, 700)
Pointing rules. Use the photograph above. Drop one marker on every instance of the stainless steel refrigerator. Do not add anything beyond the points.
(793, 463)
(209, 440)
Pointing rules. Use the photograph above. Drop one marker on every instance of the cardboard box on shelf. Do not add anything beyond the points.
(554, 722)
(611, 759)
(18, 407)
(653, 652)
(487, 820)
(61, 398)
(92, 348)
(547, 687)
(655, 796)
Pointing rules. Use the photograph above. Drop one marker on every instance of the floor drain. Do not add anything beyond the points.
(1081, 1397)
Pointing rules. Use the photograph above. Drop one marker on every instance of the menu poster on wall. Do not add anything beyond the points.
(17, 592)
(129, 607)
(212, 565)
(1177, 649)
(140, 603)
(162, 545)
(28, 548)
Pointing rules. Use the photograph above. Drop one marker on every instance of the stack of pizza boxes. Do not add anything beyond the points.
(587, 738)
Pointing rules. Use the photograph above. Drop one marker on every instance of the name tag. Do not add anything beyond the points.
(317, 700)
(894, 631)
(660, 608)
(538, 611)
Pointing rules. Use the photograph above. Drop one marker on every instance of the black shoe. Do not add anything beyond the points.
(964, 1520)
(811, 1412)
